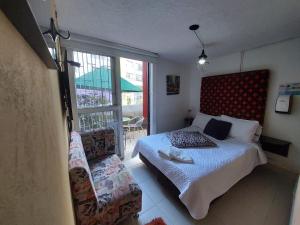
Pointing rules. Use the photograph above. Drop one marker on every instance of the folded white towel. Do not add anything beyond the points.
(164, 153)
(175, 154)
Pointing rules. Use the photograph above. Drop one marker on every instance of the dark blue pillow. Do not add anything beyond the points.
(217, 129)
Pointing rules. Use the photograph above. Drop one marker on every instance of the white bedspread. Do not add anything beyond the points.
(214, 171)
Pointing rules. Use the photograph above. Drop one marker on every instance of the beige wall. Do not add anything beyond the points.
(34, 186)
(283, 61)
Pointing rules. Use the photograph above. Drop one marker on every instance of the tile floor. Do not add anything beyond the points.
(262, 198)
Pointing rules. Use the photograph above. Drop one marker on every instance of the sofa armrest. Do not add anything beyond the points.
(99, 143)
(81, 185)
(83, 191)
(83, 194)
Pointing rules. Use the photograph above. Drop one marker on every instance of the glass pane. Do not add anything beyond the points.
(93, 80)
(132, 86)
(96, 120)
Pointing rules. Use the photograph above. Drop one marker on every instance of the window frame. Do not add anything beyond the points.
(116, 106)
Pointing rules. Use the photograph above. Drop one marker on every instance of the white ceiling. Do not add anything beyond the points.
(161, 26)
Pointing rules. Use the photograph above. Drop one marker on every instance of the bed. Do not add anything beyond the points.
(217, 169)
(213, 172)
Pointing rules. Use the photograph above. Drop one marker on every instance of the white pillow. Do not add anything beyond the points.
(202, 119)
(242, 129)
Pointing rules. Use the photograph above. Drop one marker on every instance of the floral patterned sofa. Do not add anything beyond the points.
(103, 191)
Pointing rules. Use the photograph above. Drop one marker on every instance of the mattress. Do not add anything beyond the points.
(214, 171)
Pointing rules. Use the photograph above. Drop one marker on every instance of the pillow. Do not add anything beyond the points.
(217, 129)
(186, 139)
(202, 119)
(241, 129)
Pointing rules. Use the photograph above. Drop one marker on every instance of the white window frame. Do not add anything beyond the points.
(115, 50)
(116, 96)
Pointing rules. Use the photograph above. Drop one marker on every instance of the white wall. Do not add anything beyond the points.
(170, 109)
(283, 61)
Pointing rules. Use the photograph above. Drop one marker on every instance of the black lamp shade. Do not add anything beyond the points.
(203, 55)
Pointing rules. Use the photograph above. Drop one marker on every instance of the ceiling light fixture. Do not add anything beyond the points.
(203, 57)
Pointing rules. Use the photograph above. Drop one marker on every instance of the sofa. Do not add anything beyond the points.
(103, 191)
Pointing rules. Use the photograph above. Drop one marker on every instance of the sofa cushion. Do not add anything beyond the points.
(99, 143)
(115, 188)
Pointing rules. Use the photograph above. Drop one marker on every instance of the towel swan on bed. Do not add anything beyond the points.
(175, 154)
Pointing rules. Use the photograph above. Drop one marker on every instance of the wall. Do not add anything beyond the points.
(170, 109)
(34, 186)
(295, 216)
(282, 59)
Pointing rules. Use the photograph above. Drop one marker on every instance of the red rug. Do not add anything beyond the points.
(157, 221)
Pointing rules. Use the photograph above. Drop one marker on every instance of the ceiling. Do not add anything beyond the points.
(161, 26)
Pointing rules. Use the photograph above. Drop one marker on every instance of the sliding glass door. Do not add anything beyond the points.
(135, 107)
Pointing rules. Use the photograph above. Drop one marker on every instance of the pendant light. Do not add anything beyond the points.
(203, 57)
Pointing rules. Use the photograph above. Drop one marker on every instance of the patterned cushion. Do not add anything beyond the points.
(186, 139)
(118, 195)
(98, 144)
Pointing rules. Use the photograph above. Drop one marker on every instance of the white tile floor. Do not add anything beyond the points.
(262, 198)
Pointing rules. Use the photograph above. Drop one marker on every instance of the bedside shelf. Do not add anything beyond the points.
(274, 145)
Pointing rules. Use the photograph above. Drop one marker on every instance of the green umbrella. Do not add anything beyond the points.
(100, 79)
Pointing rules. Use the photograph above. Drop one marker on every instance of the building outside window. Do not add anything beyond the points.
(132, 71)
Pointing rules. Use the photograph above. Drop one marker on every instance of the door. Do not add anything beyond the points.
(135, 102)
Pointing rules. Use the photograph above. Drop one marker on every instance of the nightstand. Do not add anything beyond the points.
(188, 121)
(274, 145)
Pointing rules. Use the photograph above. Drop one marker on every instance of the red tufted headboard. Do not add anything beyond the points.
(242, 95)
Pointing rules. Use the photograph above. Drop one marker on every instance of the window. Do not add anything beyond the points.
(94, 91)
(139, 67)
(138, 77)
(90, 121)
(98, 89)
(93, 80)
(138, 98)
